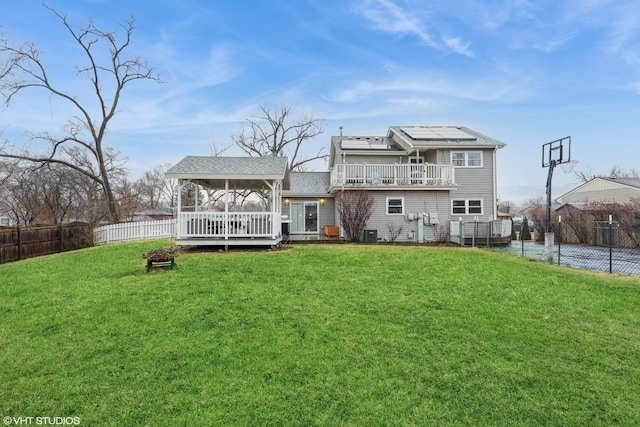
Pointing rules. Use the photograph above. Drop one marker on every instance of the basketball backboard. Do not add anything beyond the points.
(556, 152)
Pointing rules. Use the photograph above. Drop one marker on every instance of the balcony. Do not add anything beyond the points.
(393, 175)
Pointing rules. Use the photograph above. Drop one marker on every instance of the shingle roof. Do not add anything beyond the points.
(308, 183)
(631, 182)
(223, 167)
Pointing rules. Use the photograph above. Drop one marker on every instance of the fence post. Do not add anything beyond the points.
(19, 243)
(559, 236)
(610, 243)
(61, 237)
(475, 232)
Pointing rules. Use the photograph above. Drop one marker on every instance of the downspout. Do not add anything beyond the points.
(495, 182)
(196, 203)
(226, 209)
(179, 230)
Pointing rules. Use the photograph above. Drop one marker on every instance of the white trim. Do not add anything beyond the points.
(304, 204)
(386, 210)
(467, 207)
(466, 158)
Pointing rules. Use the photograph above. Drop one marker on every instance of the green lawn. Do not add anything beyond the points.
(318, 335)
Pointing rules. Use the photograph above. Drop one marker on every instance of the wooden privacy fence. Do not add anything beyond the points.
(25, 242)
(128, 231)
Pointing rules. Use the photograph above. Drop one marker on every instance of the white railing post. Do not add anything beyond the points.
(393, 174)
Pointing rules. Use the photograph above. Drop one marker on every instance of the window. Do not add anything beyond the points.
(474, 159)
(466, 207)
(458, 159)
(469, 159)
(395, 206)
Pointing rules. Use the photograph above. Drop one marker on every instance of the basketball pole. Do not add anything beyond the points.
(549, 236)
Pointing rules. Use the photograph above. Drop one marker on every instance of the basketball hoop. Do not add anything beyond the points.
(568, 167)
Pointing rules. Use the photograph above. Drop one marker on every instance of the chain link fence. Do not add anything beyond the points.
(595, 245)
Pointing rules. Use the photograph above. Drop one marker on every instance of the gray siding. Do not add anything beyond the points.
(326, 212)
(476, 183)
(414, 202)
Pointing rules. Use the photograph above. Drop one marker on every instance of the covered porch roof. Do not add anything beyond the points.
(244, 172)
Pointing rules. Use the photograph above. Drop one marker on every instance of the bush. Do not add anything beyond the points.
(525, 234)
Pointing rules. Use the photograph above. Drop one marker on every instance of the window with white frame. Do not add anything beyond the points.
(468, 159)
(466, 207)
(395, 205)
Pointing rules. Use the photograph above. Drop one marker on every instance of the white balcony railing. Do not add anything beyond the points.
(221, 225)
(393, 174)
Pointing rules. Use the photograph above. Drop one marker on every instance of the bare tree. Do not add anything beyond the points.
(354, 208)
(22, 67)
(613, 172)
(23, 198)
(395, 229)
(277, 133)
(152, 185)
(507, 206)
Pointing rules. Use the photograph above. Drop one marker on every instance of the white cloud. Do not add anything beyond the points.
(500, 87)
(456, 45)
(389, 17)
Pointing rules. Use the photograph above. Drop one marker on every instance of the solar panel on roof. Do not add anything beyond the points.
(437, 133)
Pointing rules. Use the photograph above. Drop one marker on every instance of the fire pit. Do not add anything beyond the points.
(160, 257)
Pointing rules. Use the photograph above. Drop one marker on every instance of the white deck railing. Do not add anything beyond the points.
(128, 231)
(393, 174)
(221, 225)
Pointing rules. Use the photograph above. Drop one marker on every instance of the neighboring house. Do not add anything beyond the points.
(5, 221)
(152, 215)
(421, 178)
(604, 190)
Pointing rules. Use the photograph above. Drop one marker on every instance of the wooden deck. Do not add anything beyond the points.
(231, 241)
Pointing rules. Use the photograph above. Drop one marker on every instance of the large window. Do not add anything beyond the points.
(395, 206)
(466, 207)
(468, 159)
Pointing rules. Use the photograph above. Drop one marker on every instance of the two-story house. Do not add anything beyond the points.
(421, 178)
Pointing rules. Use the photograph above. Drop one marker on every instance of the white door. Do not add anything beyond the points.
(416, 171)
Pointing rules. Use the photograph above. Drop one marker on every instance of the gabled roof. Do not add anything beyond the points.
(308, 184)
(600, 189)
(244, 171)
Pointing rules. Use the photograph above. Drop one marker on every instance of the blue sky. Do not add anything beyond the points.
(523, 72)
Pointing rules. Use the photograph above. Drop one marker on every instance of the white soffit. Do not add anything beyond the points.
(438, 133)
